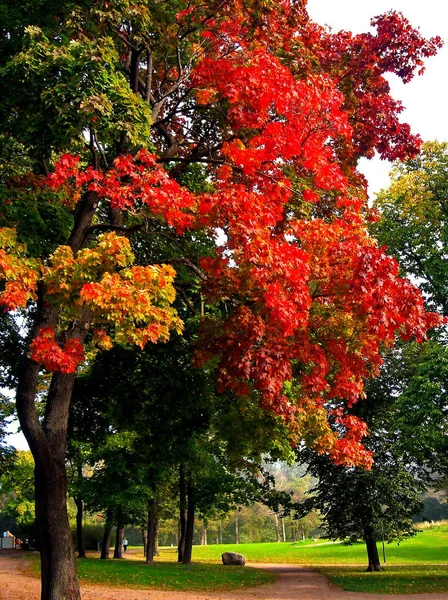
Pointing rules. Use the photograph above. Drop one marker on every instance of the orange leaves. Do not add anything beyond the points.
(44, 349)
(19, 273)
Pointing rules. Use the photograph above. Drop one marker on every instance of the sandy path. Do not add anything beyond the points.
(293, 583)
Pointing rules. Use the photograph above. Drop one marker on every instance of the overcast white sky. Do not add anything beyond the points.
(425, 97)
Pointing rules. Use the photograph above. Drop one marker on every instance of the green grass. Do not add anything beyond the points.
(430, 546)
(200, 577)
(395, 579)
(417, 565)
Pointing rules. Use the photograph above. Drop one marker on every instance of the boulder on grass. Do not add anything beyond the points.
(233, 558)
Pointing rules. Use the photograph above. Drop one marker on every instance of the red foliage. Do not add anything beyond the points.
(311, 297)
(46, 350)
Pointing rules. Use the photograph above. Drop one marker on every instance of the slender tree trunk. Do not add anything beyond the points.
(145, 539)
(220, 531)
(182, 514)
(372, 549)
(105, 546)
(156, 535)
(118, 552)
(283, 529)
(293, 531)
(150, 542)
(237, 530)
(277, 530)
(79, 527)
(189, 531)
(204, 534)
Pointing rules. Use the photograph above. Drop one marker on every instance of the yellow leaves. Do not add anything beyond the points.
(19, 273)
(133, 301)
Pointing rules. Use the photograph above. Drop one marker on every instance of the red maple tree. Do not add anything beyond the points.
(278, 112)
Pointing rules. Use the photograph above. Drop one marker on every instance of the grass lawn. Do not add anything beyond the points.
(415, 566)
(166, 575)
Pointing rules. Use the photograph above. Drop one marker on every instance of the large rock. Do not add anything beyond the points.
(233, 558)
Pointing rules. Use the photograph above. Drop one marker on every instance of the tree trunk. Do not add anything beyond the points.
(189, 530)
(58, 564)
(203, 534)
(293, 531)
(277, 530)
(237, 530)
(47, 441)
(145, 539)
(79, 527)
(372, 549)
(150, 541)
(47, 438)
(105, 546)
(182, 514)
(118, 552)
(156, 535)
(283, 529)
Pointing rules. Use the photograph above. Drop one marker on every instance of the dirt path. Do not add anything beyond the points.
(293, 583)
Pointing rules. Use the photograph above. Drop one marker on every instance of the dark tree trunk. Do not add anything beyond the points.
(372, 549)
(145, 539)
(150, 542)
(79, 528)
(189, 530)
(58, 564)
(156, 535)
(105, 546)
(47, 439)
(118, 552)
(182, 514)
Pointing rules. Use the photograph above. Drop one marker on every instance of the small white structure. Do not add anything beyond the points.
(7, 541)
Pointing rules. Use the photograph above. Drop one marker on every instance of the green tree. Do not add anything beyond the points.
(370, 504)
(17, 495)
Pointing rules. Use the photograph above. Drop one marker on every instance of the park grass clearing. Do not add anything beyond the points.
(417, 565)
(199, 577)
(393, 579)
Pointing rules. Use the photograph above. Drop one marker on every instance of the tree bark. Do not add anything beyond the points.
(79, 527)
(277, 530)
(47, 438)
(189, 531)
(150, 541)
(182, 514)
(203, 534)
(156, 535)
(106, 537)
(372, 549)
(47, 441)
(58, 564)
(118, 552)
(145, 539)
(237, 530)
